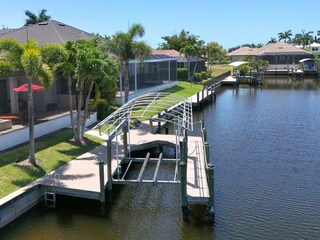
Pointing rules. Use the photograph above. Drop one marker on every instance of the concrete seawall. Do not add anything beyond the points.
(19, 202)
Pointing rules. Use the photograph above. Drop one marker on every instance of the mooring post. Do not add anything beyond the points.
(109, 162)
(102, 190)
(183, 179)
(183, 183)
(201, 123)
(125, 140)
(203, 98)
(204, 135)
(198, 103)
(150, 125)
(159, 123)
(210, 170)
(207, 150)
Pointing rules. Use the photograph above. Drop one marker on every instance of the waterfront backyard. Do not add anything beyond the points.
(265, 152)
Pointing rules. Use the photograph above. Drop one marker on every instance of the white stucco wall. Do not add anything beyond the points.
(20, 136)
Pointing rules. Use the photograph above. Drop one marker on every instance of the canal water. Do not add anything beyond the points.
(266, 151)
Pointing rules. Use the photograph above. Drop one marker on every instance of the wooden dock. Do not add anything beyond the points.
(206, 95)
(80, 177)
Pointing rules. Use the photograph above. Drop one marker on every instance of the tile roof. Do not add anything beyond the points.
(5, 30)
(174, 53)
(244, 51)
(50, 31)
(171, 52)
(278, 48)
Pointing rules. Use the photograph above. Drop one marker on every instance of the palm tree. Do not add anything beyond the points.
(92, 69)
(285, 36)
(125, 47)
(318, 34)
(33, 18)
(67, 65)
(306, 38)
(297, 40)
(272, 40)
(26, 58)
(196, 50)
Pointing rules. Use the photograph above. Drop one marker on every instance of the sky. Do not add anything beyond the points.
(228, 22)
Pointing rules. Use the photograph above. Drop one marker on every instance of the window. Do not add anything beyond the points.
(314, 49)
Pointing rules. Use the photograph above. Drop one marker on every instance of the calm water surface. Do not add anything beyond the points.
(266, 150)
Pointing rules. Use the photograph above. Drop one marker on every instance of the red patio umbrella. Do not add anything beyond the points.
(24, 88)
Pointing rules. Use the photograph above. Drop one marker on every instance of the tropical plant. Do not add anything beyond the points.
(179, 41)
(272, 40)
(214, 53)
(196, 51)
(182, 73)
(33, 18)
(93, 70)
(286, 36)
(297, 40)
(260, 64)
(125, 47)
(27, 58)
(307, 38)
(67, 65)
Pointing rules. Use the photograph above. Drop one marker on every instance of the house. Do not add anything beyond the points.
(239, 53)
(281, 56)
(314, 48)
(50, 31)
(189, 62)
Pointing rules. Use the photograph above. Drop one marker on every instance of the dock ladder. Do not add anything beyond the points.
(50, 190)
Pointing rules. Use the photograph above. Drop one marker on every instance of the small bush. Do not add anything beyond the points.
(244, 69)
(104, 109)
(182, 73)
(209, 73)
(197, 77)
(204, 75)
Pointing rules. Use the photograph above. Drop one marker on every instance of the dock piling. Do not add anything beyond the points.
(183, 184)
(102, 191)
(109, 160)
(183, 178)
(210, 170)
(204, 135)
(207, 149)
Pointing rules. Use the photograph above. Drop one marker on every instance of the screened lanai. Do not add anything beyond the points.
(157, 70)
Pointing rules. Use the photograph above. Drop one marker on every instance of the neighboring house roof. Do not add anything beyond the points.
(5, 30)
(50, 31)
(174, 53)
(244, 51)
(278, 48)
(171, 52)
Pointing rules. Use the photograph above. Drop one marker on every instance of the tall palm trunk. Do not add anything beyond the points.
(78, 132)
(32, 158)
(86, 107)
(126, 82)
(69, 81)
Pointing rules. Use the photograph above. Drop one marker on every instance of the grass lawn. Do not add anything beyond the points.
(218, 69)
(56, 150)
(53, 152)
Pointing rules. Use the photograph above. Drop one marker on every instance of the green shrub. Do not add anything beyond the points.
(209, 73)
(204, 75)
(104, 109)
(244, 69)
(182, 73)
(197, 77)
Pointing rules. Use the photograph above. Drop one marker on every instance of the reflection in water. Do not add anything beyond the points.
(265, 148)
